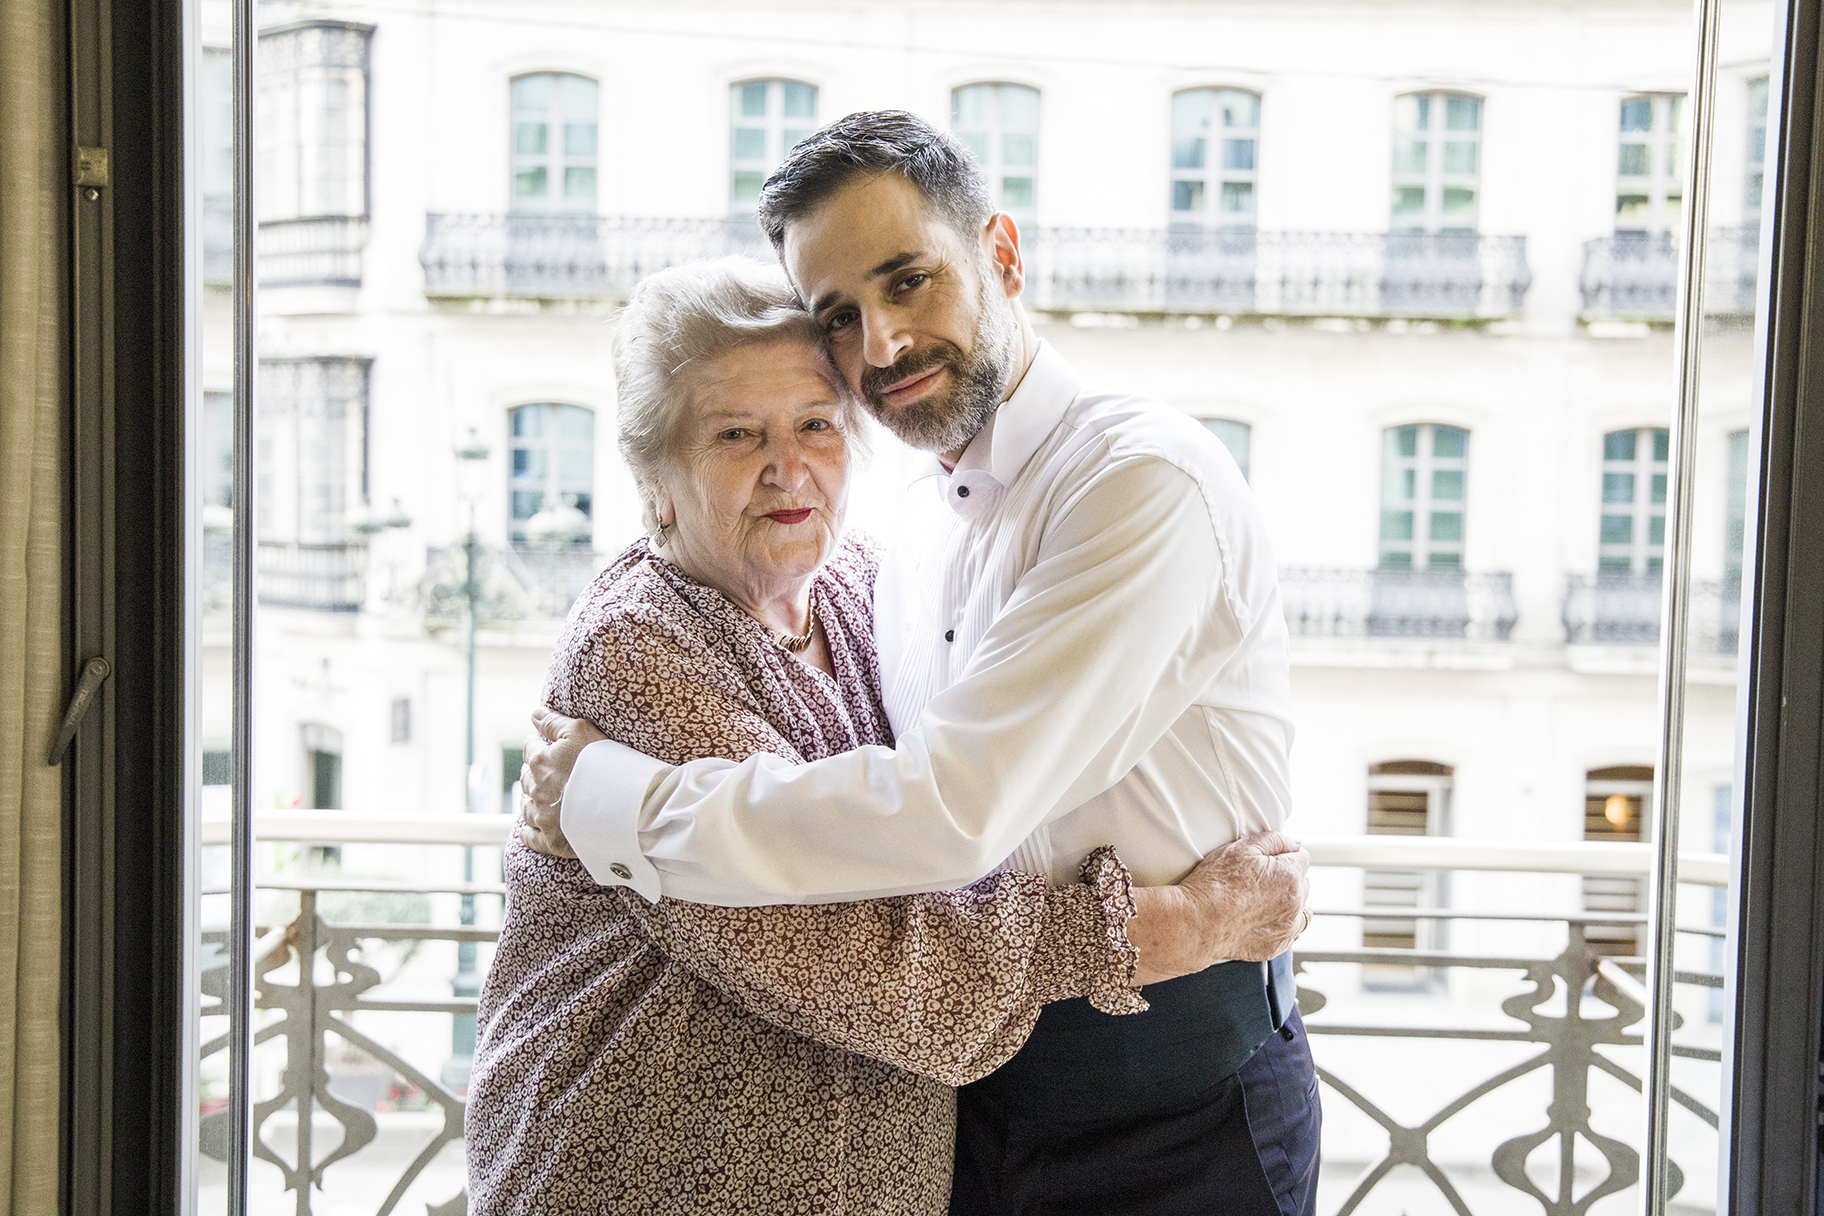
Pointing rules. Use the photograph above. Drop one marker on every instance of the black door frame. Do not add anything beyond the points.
(124, 894)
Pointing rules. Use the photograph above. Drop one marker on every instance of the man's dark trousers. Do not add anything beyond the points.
(1148, 1114)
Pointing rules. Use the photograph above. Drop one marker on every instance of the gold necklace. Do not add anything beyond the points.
(801, 643)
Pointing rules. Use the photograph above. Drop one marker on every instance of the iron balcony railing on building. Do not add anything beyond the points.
(327, 578)
(1399, 602)
(1622, 608)
(568, 257)
(1442, 275)
(1634, 276)
(349, 1111)
(314, 251)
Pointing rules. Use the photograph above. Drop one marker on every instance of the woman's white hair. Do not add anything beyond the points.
(676, 324)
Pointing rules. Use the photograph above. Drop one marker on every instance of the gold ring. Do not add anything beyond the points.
(1307, 915)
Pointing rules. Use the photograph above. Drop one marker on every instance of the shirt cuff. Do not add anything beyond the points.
(600, 815)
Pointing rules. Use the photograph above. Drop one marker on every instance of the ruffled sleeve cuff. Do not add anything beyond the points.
(1084, 950)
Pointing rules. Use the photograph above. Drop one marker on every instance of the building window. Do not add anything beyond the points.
(1756, 151)
(402, 720)
(551, 475)
(312, 109)
(1000, 124)
(1406, 798)
(770, 118)
(512, 759)
(1235, 436)
(1615, 804)
(1648, 175)
(216, 460)
(1423, 474)
(311, 467)
(1437, 162)
(554, 142)
(1215, 142)
(1735, 535)
(1633, 500)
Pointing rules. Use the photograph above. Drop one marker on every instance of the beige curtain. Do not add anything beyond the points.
(33, 173)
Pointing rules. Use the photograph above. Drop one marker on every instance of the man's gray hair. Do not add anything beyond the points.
(676, 324)
(868, 144)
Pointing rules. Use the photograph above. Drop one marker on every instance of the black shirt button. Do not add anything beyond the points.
(962, 491)
(949, 635)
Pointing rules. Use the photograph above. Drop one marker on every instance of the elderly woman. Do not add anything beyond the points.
(673, 1057)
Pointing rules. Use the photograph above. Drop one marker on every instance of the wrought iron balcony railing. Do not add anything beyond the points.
(1535, 1029)
(559, 256)
(1399, 602)
(1621, 608)
(516, 583)
(1635, 276)
(1458, 276)
(316, 251)
(329, 578)
(1446, 275)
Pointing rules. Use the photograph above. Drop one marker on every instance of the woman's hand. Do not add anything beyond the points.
(550, 755)
(1245, 900)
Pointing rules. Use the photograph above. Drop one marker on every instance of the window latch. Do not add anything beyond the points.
(94, 672)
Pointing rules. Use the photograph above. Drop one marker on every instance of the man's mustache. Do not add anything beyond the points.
(876, 380)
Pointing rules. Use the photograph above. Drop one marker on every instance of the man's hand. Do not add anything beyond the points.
(1245, 900)
(550, 755)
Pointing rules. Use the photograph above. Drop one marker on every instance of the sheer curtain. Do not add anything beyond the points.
(33, 173)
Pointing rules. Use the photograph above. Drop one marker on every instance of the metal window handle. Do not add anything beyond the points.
(94, 672)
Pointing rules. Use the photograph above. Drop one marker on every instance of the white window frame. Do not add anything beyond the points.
(1663, 183)
(1421, 549)
(780, 133)
(1434, 176)
(1397, 888)
(554, 446)
(988, 140)
(556, 159)
(1214, 175)
(1651, 476)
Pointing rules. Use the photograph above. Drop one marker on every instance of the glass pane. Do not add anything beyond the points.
(1449, 442)
(579, 185)
(1238, 154)
(1237, 437)
(1447, 484)
(1410, 155)
(1637, 114)
(1459, 203)
(575, 422)
(1019, 106)
(969, 105)
(529, 138)
(1619, 445)
(751, 98)
(791, 137)
(579, 139)
(1633, 160)
(1016, 192)
(1237, 198)
(1409, 201)
(579, 93)
(746, 186)
(1447, 526)
(800, 100)
(1240, 109)
(1396, 525)
(1187, 153)
(750, 143)
(1618, 487)
(1462, 114)
(1191, 109)
(532, 92)
(1411, 112)
(531, 183)
(1460, 157)
(1021, 150)
(1187, 196)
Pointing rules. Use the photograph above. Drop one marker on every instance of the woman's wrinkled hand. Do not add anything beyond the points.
(1245, 900)
(551, 753)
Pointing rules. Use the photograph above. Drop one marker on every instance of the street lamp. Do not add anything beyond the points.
(471, 459)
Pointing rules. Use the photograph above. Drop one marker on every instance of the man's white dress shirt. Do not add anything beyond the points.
(1081, 643)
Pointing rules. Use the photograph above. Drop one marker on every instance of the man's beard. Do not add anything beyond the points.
(946, 422)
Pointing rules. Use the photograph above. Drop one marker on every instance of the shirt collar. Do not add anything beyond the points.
(1022, 422)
